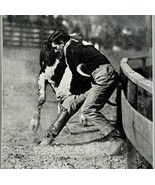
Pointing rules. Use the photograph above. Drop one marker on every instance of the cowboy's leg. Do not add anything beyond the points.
(105, 82)
(69, 107)
(73, 102)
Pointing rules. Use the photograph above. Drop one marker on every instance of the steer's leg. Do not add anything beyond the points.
(35, 121)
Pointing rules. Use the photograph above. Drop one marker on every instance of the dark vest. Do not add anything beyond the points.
(78, 53)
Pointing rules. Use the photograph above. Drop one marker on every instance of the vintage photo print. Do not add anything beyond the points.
(77, 92)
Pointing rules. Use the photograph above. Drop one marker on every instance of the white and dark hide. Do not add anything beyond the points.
(57, 74)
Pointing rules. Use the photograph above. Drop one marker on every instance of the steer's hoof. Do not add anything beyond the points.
(34, 125)
(37, 140)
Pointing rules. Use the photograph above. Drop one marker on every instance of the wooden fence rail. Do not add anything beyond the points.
(136, 106)
(23, 35)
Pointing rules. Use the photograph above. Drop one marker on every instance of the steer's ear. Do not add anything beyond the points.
(82, 70)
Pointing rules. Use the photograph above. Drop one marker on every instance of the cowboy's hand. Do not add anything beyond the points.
(83, 120)
(61, 95)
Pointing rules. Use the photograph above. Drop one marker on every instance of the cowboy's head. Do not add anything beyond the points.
(58, 39)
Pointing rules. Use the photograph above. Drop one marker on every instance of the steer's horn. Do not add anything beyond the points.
(79, 70)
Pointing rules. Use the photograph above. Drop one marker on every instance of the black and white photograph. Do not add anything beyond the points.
(77, 92)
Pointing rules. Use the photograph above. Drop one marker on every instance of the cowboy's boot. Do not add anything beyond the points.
(116, 143)
(55, 128)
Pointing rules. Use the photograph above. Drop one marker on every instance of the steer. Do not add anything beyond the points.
(57, 74)
(69, 88)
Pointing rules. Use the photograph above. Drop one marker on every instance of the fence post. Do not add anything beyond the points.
(119, 111)
(41, 35)
(132, 95)
(1, 51)
(131, 151)
(20, 38)
(143, 63)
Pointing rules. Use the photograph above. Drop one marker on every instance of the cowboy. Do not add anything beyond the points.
(88, 61)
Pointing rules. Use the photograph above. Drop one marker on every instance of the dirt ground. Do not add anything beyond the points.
(78, 147)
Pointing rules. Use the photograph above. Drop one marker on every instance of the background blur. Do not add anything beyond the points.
(106, 31)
